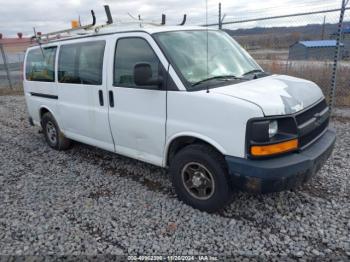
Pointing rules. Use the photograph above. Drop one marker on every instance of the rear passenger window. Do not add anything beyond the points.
(40, 64)
(81, 63)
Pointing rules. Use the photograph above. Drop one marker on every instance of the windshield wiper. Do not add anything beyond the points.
(253, 71)
(223, 77)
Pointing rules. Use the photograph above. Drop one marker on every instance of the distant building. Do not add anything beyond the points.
(314, 50)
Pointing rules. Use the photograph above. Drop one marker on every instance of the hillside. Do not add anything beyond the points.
(310, 29)
(281, 37)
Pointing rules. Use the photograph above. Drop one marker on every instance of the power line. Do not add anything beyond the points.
(271, 10)
(311, 4)
(276, 17)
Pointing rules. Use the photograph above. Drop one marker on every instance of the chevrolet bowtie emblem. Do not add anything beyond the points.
(318, 118)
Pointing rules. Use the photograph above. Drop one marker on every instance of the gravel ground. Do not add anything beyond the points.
(89, 201)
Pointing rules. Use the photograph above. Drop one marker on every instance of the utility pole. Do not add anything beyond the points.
(220, 20)
(323, 27)
(337, 54)
(5, 64)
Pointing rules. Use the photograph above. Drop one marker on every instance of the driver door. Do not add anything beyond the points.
(137, 114)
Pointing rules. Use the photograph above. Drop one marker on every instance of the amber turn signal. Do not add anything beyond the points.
(274, 149)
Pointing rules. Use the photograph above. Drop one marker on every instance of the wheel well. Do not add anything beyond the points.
(43, 111)
(180, 142)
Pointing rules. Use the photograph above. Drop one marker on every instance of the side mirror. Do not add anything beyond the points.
(143, 76)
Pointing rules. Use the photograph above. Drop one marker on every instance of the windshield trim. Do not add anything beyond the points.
(187, 84)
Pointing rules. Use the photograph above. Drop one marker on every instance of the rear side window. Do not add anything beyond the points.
(40, 64)
(129, 52)
(81, 63)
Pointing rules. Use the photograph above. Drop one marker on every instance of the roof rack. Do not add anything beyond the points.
(109, 19)
(56, 33)
(182, 22)
(97, 28)
(163, 21)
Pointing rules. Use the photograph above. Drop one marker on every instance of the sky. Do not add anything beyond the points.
(49, 15)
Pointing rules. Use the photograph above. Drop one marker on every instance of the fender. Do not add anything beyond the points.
(206, 139)
(52, 113)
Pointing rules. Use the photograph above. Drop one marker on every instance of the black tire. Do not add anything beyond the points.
(53, 135)
(213, 162)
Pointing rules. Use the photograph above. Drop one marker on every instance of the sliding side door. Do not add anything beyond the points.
(83, 94)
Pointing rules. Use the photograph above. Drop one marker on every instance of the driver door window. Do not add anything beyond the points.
(129, 52)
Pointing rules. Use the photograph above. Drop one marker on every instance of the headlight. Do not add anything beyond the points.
(273, 128)
(266, 136)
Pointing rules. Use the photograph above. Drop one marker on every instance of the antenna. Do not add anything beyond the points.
(206, 21)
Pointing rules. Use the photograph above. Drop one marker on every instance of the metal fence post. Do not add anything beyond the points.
(220, 20)
(336, 56)
(5, 64)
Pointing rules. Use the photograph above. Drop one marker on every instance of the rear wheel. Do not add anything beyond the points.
(200, 178)
(53, 136)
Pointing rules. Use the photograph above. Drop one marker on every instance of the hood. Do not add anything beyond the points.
(275, 94)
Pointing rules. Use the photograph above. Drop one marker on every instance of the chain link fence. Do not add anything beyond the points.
(12, 53)
(300, 45)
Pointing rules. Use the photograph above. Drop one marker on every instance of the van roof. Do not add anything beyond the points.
(124, 28)
(148, 29)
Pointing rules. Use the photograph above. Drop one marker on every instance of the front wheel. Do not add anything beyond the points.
(200, 178)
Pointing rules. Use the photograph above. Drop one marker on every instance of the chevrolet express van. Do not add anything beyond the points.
(184, 98)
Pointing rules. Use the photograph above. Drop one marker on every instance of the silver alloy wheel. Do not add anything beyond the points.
(198, 181)
(51, 132)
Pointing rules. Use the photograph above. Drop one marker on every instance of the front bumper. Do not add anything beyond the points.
(280, 173)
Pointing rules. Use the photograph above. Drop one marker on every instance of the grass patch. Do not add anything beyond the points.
(15, 91)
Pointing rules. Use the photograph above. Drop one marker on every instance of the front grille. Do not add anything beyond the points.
(308, 114)
(308, 138)
(312, 123)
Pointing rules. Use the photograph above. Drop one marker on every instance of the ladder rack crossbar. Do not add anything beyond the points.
(84, 27)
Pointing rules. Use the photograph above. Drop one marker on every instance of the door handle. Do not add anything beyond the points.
(100, 97)
(111, 99)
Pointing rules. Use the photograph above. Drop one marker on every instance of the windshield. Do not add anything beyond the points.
(188, 51)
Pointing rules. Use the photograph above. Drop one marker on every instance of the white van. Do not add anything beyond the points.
(184, 98)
